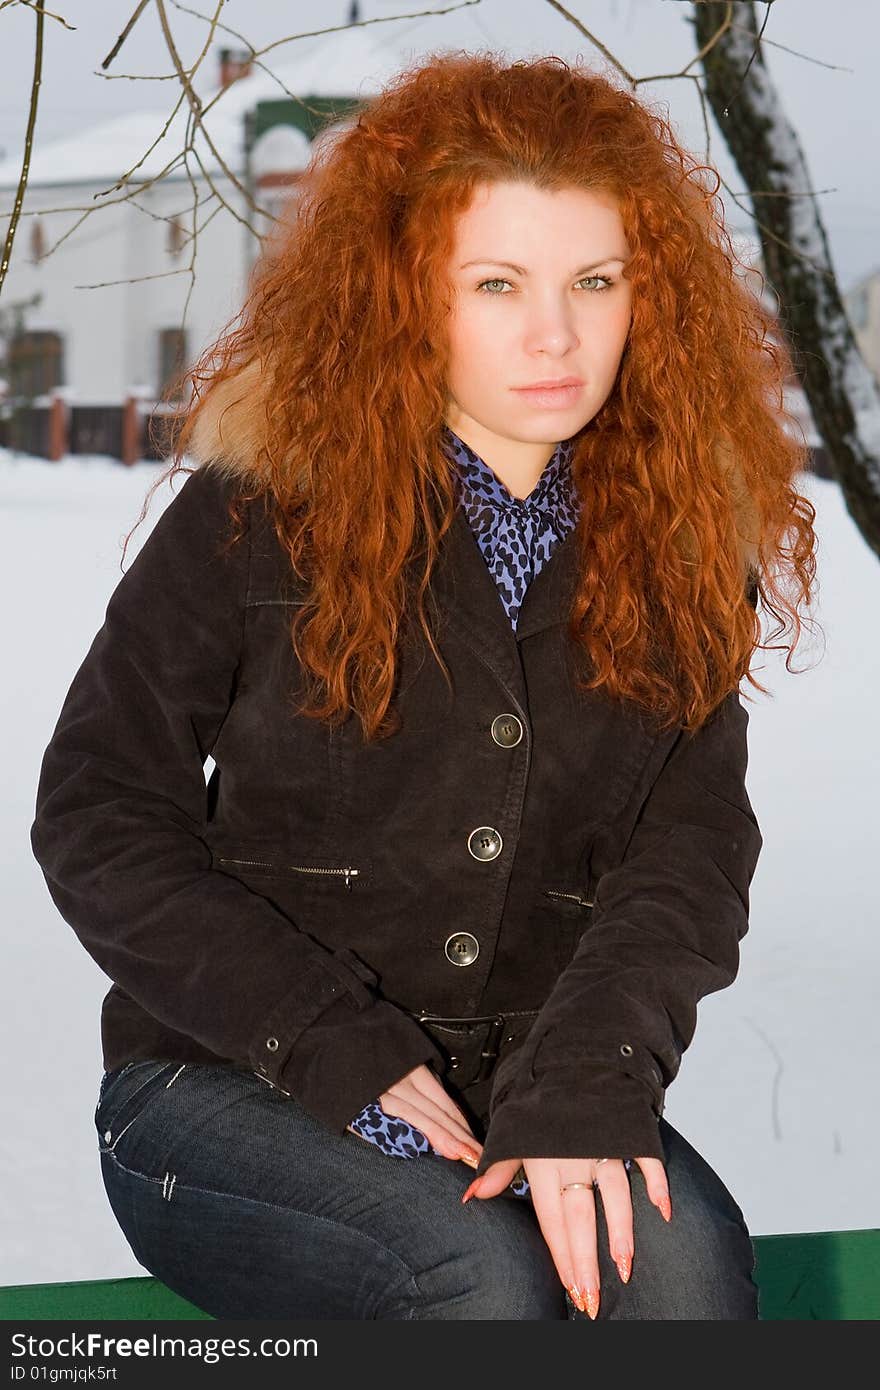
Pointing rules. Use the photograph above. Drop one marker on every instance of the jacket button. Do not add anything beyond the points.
(484, 843)
(507, 730)
(272, 1044)
(462, 948)
(625, 1050)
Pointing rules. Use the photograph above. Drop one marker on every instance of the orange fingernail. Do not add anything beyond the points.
(665, 1208)
(592, 1297)
(470, 1158)
(472, 1189)
(577, 1297)
(624, 1268)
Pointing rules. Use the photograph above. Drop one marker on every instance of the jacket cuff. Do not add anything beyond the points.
(349, 1055)
(328, 979)
(591, 1113)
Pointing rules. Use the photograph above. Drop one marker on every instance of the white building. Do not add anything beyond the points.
(96, 302)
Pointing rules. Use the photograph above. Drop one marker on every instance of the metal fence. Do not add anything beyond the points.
(50, 428)
(95, 429)
(27, 430)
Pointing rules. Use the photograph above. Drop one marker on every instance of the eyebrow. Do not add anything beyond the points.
(508, 265)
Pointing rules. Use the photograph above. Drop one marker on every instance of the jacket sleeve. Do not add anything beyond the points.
(121, 812)
(589, 1080)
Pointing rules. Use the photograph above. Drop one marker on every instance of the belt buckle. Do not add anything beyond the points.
(489, 1050)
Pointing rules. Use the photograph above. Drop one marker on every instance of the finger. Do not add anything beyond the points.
(548, 1203)
(444, 1134)
(433, 1091)
(438, 1142)
(657, 1185)
(423, 1089)
(496, 1178)
(614, 1190)
(579, 1212)
(450, 1143)
(427, 1082)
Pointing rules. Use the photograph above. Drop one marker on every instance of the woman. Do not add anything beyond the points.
(466, 653)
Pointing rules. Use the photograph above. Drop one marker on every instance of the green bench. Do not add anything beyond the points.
(828, 1276)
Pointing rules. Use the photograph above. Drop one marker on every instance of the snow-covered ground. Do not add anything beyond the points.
(778, 1090)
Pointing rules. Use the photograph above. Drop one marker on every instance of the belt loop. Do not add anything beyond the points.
(489, 1053)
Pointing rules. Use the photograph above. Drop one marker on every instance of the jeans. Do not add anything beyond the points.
(236, 1198)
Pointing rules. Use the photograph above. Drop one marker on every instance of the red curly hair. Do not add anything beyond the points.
(329, 397)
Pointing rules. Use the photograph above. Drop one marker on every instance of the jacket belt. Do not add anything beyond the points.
(456, 1034)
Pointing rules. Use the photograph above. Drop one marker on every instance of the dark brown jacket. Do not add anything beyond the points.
(516, 846)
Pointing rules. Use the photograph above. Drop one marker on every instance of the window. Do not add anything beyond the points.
(34, 363)
(172, 358)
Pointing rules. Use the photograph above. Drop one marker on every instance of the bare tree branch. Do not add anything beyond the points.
(28, 144)
(38, 9)
(125, 33)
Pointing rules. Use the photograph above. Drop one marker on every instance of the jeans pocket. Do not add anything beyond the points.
(125, 1094)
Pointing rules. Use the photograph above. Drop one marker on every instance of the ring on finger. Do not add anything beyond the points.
(594, 1183)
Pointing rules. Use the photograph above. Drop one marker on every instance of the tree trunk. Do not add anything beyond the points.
(842, 391)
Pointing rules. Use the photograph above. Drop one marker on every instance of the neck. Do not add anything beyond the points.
(517, 463)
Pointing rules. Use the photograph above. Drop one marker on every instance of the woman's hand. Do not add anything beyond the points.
(568, 1219)
(421, 1099)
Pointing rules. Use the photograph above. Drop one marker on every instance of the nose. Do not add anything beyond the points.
(551, 329)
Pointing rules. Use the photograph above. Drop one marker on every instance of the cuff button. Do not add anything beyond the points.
(272, 1044)
(625, 1050)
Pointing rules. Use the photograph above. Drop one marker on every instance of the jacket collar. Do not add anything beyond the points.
(227, 436)
(470, 603)
(478, 489)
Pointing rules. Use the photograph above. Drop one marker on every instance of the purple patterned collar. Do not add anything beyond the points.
(516, 535)
(481, 490)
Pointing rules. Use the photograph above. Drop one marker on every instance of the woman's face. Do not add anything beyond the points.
(544, 299)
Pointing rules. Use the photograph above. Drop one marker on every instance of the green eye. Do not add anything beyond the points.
(605, 285)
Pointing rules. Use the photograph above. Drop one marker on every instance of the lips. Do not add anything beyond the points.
(551, 385)
(553, 397)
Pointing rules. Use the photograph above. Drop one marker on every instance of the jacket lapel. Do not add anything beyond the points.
(470, 603)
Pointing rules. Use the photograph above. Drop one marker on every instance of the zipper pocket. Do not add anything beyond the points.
(571, 897)
(346, 871)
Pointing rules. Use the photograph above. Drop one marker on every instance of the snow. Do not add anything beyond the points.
(778, 1089)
